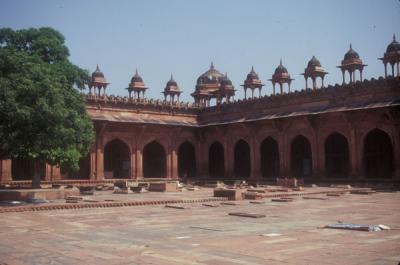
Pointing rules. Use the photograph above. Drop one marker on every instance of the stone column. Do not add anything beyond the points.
(93, 164)
(174, 165)
(139, 163)
(5, 170)
(132, 171)
(284, 154)
(255, 159)
(99, 158)
(229, 157)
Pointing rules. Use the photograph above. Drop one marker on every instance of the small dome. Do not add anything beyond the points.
(225, 81)
(172, 82)
(313, 63)
(351, 54)
(394, 46)
(137, 78)
(212, 76)
(281, 69)
(252, 75)
(97, 73)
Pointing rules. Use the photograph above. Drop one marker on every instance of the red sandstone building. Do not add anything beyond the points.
(348, 132)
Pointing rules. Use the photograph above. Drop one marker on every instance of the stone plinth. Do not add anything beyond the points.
(46, 194)
(163, 186)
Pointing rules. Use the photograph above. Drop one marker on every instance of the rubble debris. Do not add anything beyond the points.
(251, 215)
(357, 227)
(139, 189)
(253, 196)
(289, 182)
(36, 200)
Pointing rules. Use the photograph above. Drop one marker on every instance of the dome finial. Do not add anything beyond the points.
(394, 37)
(172, 77)
(226, 74)
(280, 62)
(252, 69)
(136, 72)
(212, 65)
(351, 46)
(97, 67)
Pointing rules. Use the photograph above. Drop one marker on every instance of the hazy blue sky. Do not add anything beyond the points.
(183, 37)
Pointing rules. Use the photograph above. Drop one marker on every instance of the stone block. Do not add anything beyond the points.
(231, 194)
(164, 186)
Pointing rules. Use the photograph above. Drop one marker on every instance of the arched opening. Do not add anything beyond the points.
(242, 160)
(378, 155)
(117, 160)
(154, 161)
(24, 169)
(301, 157)
(216, 161)
(269, 158)
(186, 161)
(337, 163)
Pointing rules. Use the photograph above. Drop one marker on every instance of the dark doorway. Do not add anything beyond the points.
(242, 160)
(269, 158)
(337, 162)
(116, 160)
(301, 157)
(186, 161)
(24, 169)
(154, 161)
(216, 163)
(378, 155)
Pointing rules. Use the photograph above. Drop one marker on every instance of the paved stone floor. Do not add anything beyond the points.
(289, 234)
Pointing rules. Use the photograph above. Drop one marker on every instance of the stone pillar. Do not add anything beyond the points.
(229, 157)
(93, 164)
(56, 173)
(354, 154)
(5, 170)
(139, 163)
(396, 152)
(132, 171)
(255, 160)
(174, 164)
(202, 160)
(99, 158)
(284, 154)
(47, 172)
(343, 76)
(385, 70)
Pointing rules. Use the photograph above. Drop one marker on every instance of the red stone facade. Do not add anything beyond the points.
(348, 132)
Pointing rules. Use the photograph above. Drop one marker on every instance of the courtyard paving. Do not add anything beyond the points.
(289, 234)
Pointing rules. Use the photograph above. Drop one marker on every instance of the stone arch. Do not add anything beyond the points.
(337, 158)
(24, 169)
(378, 155)
(269, 154)
(216, 160)
(242, 163)
(186, 160)
(117, 159)
(301, 157)
(154, 160)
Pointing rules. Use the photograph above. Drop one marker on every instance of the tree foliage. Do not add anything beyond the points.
(42, 113)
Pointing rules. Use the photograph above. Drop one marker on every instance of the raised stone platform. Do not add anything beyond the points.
(46, 194)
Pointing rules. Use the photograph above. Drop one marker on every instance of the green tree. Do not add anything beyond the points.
(42, 113)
